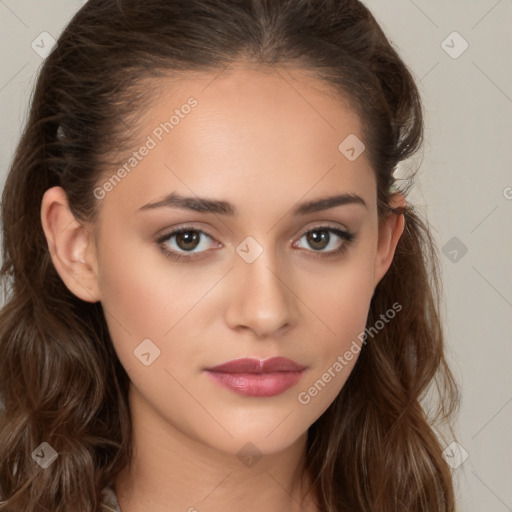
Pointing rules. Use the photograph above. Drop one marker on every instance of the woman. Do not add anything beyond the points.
(218, 296)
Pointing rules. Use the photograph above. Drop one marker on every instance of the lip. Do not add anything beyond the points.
(259, 366)
(256, 377)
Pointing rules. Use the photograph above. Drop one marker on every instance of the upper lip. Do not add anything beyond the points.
(253, 365)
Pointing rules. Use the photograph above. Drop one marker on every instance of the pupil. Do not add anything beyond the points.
(187, 240)
(318, 239)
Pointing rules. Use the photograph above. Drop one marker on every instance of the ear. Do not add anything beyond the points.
(71, 246)
(390, 230)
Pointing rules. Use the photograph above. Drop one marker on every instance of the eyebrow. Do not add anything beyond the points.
(204, 205)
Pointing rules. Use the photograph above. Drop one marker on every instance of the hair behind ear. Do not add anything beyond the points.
(60, 378)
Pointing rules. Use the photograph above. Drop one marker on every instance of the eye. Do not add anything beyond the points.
(327, 239)
(180, 243)
(183, 243)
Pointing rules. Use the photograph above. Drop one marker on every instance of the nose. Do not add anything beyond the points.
(261, 299)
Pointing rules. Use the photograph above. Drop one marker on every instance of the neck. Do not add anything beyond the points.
(171, 471)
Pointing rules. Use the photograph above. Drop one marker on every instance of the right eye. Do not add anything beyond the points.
(183, 241)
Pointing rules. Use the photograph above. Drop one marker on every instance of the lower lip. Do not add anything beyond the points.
(252, 384)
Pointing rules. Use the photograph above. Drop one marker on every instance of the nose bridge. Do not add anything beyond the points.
(261, 299)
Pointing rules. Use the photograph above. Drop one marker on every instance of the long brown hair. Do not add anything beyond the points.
(376, 446)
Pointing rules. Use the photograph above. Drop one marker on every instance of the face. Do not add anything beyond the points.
(252, 264)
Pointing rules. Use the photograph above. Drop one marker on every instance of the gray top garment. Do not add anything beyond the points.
(109, 500)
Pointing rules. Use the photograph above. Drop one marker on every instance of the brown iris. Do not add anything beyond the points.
(187, 240)
(318, 239)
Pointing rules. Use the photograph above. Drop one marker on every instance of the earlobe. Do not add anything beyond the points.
(390, 231)
(71, 246)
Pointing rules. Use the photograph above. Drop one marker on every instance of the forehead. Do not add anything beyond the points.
(243, 133)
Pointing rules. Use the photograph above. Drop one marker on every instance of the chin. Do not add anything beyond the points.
(256, 439)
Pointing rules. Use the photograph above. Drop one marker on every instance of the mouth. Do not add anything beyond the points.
(256, 377)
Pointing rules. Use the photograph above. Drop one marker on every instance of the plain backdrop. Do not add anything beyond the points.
(460, 52)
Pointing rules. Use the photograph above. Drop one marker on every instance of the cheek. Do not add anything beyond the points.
(341, 298)
(142, 286)
(141, 298)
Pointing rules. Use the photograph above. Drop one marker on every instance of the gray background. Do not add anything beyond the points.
(464, 188)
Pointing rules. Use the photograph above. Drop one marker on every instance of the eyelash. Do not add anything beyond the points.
(348, 237)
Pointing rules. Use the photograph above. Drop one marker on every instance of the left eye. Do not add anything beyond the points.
(321, 240)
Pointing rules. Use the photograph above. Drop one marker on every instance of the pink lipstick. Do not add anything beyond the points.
(256, 377)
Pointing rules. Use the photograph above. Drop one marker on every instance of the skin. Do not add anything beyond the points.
(264, 140)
